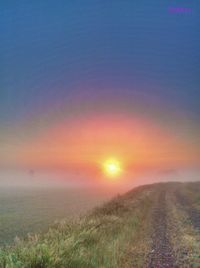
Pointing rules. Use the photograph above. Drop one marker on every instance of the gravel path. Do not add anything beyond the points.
(161, 254)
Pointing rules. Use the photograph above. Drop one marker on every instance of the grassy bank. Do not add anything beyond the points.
(154, 224)
(111, 236)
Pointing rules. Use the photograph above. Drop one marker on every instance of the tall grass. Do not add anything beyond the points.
(101, 239)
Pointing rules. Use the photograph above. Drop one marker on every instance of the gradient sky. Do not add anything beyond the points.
(84, 80)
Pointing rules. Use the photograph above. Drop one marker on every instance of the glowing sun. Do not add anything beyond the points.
(112, 168)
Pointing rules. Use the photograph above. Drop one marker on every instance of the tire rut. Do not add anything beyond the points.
(161, 254)
(187, 206)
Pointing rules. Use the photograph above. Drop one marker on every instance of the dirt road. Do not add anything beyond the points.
(161, 254)
(175, 232)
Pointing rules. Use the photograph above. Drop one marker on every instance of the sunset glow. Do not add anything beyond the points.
(85, 93)
(112, 168)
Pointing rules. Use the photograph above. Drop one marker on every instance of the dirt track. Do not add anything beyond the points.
(187, 206)
(161, 254)
(175, 241)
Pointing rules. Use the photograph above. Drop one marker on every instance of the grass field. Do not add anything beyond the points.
(31, 210)
(155, 225)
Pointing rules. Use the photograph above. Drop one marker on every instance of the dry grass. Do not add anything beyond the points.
(110, 237)
(116, 235)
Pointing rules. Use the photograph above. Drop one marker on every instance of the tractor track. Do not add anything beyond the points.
(187, 206)
(161, 255)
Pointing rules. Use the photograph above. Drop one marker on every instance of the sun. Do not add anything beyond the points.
(112, 168)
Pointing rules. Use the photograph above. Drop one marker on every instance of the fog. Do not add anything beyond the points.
(32, 200)
(43, 179)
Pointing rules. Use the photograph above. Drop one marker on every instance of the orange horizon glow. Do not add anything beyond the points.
(86, 143)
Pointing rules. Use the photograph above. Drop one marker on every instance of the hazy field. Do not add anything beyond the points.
(155, 225)
(30, 203)
(24, 210)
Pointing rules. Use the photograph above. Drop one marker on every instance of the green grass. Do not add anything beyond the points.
(102, 239)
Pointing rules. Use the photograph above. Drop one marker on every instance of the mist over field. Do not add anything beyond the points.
(99, 134)
(48, 179)
(31, 201)
(29, 207)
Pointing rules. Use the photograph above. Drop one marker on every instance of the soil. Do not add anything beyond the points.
(161, 254)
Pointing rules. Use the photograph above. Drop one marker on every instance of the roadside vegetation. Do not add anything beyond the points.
(111, 236)
(156, 224)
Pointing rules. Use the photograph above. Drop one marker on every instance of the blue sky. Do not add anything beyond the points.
(54, 51)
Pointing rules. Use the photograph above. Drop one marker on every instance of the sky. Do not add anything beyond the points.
(84, 81)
